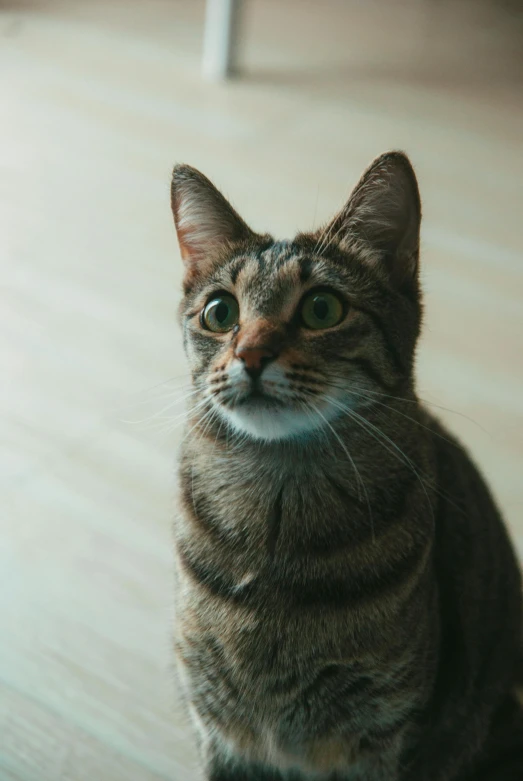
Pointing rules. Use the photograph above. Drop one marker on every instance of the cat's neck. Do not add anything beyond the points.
(373, 446)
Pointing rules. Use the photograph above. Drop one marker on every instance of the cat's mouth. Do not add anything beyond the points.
(267, 416)
(259, 399)
(278, 405)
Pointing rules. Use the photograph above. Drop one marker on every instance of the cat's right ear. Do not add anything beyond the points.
(383, 214)
(204, 219)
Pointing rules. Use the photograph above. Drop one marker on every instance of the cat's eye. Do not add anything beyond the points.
(221, 314)
(321, 309)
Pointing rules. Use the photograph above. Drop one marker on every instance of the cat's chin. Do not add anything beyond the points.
(272, 423)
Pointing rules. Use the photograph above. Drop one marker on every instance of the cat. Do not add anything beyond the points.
(348, 601)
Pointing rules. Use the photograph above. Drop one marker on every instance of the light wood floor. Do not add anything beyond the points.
(102, 98)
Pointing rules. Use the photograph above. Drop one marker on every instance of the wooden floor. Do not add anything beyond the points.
(102, 98)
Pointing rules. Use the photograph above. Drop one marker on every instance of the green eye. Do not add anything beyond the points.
(221, 314)
(321, 310)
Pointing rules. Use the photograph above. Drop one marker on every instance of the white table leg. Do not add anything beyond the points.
(220, 38)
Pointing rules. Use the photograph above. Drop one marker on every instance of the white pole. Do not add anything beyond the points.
(220, 38)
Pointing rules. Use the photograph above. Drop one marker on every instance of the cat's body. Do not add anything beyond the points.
(349, 605)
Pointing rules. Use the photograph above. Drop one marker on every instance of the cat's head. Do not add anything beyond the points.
(284, 337)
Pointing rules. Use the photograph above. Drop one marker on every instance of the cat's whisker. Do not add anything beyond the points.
(347, 452)
(169, 424)
(390, 408)
(198, 422)
(162, 390)
(180, 379)
(210, 421)
(383, 438)
(222, 423)
(163, 394)
(206, 420)
(172, 403)
(218, 391)
(414, 401)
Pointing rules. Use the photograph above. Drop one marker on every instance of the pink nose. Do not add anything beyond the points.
(255, 359)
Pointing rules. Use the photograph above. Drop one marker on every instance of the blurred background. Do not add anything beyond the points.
(101, 98)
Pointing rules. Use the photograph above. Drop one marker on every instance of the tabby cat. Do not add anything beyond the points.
(348, 601)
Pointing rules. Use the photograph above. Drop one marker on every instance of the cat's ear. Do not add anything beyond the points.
(204, 219)
(383, 216)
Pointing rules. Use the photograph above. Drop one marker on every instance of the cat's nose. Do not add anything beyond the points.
(255, 359)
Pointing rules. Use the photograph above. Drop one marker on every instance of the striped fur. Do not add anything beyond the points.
(348, 601)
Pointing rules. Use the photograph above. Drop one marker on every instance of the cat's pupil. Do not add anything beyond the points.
(222, 312)
(320, 308)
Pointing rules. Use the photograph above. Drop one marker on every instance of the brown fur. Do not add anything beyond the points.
(348, 601)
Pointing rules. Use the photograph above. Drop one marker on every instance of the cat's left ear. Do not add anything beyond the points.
(383, 216)
(205, 220)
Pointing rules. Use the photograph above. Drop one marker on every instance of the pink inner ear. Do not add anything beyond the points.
(188, 250)
(204, 219)
(199, 229)
(186, 255)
